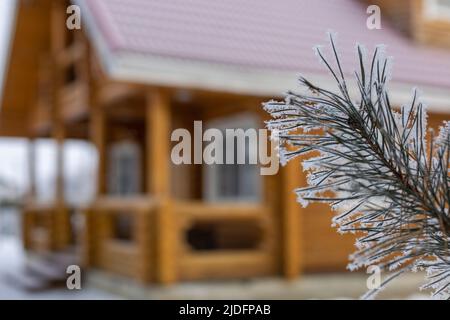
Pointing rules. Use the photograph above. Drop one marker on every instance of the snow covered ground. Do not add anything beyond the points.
(321, 286)
(12, 259)
(106, 286)
(308, 286)
(12, 262)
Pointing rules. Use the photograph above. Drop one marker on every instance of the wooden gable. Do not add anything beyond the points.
(31, 39)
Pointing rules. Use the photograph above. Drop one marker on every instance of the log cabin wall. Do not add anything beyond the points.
(29, 45)
(400, 13)
(432, 28)
(416, 19)
(242, 239)
(57, 110)
(219, 237)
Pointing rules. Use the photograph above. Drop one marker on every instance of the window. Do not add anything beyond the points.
(444, 3)
(438, 8)
(80, 166)
(125, 169)
(233, 182)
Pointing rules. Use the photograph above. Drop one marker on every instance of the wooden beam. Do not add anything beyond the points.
(126, 204)
(158, 116)
(291, 224)
(199, 210)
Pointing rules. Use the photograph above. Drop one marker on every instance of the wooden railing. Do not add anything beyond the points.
(149, 251)
(257, 260)
(46, 227)
(103, 249)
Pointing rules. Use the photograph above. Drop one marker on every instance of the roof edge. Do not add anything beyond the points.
(181, 73)
(104, 52)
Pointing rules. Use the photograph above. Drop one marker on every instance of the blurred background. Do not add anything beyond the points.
(91, 91)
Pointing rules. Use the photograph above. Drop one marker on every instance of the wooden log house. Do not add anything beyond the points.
(137, 70)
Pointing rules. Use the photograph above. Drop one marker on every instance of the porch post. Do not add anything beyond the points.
(158, 156)
(60, 230)
(98, 138)
(59, 137)
(292, 224)
(27, 217)
(31, 163)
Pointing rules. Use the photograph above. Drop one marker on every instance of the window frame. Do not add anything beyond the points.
(435, 10)
(211, 184)
(117, 152)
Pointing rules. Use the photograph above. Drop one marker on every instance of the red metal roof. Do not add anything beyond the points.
(273, 34)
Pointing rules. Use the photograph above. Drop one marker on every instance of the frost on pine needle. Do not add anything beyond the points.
(374, 167)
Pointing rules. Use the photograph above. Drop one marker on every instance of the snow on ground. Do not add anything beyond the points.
(12, 258)
(99, 285)
(107, 286)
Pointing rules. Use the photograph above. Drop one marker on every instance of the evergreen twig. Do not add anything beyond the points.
(374, 166)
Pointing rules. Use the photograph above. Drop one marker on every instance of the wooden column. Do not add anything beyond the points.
(144, 239)
(59, 137)
(87, 239)
(61, 224)
(98, 138)
(27, 216)
(291, 224)
(31, 163)
(158, 140)
(58, 30)
(91, 234)
(158, 157)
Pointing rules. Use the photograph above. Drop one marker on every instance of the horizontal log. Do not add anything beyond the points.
(72, 54)
(227, 264)
(219, 211)
(111, 92)
(74, 99)
(132, 203)
(35, 206)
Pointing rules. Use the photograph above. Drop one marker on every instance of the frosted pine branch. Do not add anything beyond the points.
(373, 165)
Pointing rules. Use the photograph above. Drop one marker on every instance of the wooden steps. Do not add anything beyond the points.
(42, 273)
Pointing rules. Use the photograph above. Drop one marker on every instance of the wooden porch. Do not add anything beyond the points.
(166, 222)
(166, 218)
